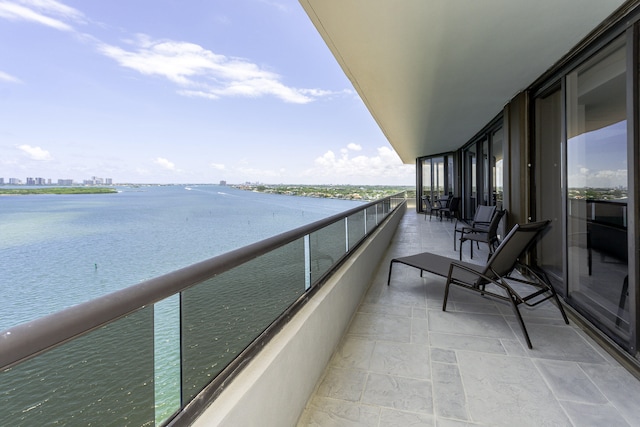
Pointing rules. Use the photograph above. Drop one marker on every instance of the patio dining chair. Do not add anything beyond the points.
(504, 276)
(480, 222)
(450, 211)
(488, 236)
(429, 208)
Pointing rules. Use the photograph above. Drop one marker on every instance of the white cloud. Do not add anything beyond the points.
(196, 71)
(35, 153)
(6, 77)
(49, 13)
(161, 161)
(278, 5)
(385, 167)
(605, 178)
(218, 166)
(354, 147)
(199, 72)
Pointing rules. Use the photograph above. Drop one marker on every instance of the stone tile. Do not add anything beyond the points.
(404, 360)
(507, 391)
(381, 327)
(619, 386)
(393, 418)
(448, 393)
(569, 382)
(409, 293)
(559, 343)
(324, 412)
(406, 394)
(443, 356)
(353, 353)
(466, 342)
(419, 313)
(474, 324)
(445, 422)
(485, 308)
(344, 384)
(419, 331)
(391, 310)
(586, 415)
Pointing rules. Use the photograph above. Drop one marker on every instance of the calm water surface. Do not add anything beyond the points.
(61, 250)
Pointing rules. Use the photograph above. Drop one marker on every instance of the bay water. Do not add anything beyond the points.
(61, 250)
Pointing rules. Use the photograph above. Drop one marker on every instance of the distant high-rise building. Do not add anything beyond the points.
(223, 182)
(65, 182)
(15, 181)
(108, 181)
(1, 181)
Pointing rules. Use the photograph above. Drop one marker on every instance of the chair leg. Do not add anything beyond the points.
(446, 295)
(545, 280)
(390, 268)
(514, 306)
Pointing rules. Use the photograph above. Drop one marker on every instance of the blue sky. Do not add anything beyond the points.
(181, 91)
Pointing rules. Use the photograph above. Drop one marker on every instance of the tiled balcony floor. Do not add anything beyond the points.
(405, 362)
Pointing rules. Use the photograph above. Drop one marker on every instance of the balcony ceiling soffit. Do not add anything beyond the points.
(433, 73)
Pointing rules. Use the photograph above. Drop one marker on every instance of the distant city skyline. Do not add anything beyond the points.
(181, 92)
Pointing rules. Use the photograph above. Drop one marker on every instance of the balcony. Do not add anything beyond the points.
(403, 361)
(357, 352)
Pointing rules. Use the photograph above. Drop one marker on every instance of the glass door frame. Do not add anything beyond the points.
(479, 175)
(447, 162)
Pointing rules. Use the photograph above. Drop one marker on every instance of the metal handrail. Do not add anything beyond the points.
(30, 339)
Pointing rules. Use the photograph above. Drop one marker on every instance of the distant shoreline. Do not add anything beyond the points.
(345, 192)
(56, 190)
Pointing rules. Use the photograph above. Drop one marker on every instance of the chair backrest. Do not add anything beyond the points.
(427, 203)
(492, 231)
(484, 214)
(452, 207)
(513, 246)
(454, 202)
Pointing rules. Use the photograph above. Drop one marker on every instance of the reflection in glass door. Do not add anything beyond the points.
(597, 190)
(470, 181)
(497, 169)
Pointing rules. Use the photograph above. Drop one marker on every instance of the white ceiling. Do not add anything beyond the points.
(434, 72)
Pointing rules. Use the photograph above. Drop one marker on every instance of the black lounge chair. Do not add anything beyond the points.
(494, 278)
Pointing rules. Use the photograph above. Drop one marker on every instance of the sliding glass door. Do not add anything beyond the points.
(597, 189)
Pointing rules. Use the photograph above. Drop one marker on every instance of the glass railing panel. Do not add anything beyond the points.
(104, 377)
(167, 357)
(327, 246)
(355, 224)
(223, 315)
(371, 218)
(383, 209)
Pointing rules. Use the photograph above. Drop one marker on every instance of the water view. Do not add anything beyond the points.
(62, 250)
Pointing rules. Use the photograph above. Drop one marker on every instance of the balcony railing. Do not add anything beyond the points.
(141, 355)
